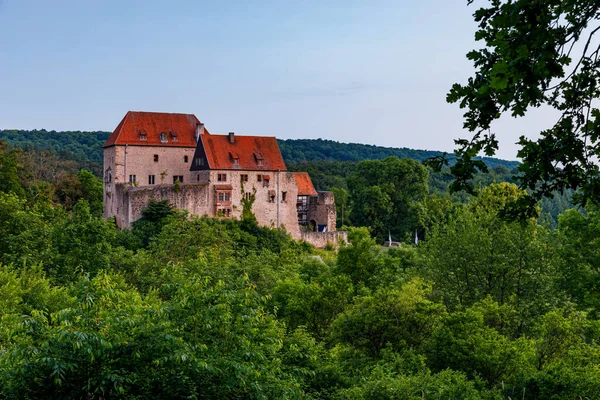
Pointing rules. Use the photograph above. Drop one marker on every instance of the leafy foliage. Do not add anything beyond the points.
(534, 54)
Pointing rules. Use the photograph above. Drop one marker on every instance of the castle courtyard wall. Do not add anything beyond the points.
(321, 239)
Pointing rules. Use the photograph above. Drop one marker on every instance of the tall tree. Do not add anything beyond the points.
(536, 53)
(384, 195)
(479, 254)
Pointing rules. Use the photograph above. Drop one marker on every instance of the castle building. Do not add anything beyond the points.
(173, 157)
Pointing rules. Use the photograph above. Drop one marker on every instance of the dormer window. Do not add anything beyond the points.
(173, 136)
(259, 159)
(163, 137)
(235, 159)
(143, 135)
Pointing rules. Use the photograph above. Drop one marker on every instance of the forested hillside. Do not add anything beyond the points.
(329, 163)
(87, 147)
(185, 307)
(303, 150)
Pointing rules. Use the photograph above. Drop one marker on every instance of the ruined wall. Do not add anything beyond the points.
(132, 200)
(321, 239)
(322, 211)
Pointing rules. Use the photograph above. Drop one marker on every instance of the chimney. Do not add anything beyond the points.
(199, 131)
(231, 137)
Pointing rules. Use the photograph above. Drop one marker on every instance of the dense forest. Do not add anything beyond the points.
(187, 307)
(328, 163)
(86, 147)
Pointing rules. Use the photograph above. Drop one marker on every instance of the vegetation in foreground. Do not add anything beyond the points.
(182, 307)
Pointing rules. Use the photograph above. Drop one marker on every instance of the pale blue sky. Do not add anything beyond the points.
(371, 71)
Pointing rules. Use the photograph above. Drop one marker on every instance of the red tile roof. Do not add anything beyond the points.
(248, 149)
(305, 185)
(179, 128)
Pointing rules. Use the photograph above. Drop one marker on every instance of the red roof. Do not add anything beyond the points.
(305, 185)
(179, 130)
(253, 152)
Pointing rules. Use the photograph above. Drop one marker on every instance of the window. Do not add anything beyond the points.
(131, 178)
(234, 156)
(259, 159)
(266, 179)
(198, 177)
(224, 212)
(248, 196)
(283, 197)
(163, 137)
(199, 161)
(185, 158)
(156, 158)
(224, 196)
(108, 176)
(178, 178)
(222, 177)
(151, 179)
(143, 135)
(244, 178)
(259, 178)
(271, 196)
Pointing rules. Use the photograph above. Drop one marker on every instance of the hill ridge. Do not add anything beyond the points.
(87, 146)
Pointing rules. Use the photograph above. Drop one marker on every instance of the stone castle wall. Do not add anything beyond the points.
(321, 239)
(322, 211)
(132, 200)
(274, 198)
(139, 161)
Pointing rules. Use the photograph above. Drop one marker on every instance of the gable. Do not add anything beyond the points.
(199, 161)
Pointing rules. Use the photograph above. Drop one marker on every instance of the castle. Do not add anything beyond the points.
(173, 157)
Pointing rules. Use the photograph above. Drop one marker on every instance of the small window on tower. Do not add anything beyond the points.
(108, 176)
(283, 197)
(185, 158)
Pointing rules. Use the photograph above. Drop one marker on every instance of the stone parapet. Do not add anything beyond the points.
(321, 239)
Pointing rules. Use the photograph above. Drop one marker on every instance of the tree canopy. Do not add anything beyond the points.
(535, 53)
